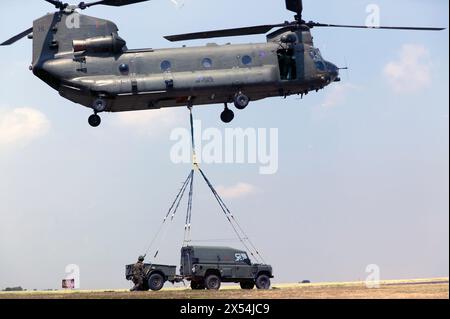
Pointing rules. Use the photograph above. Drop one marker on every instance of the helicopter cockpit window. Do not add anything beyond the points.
(318, 60)
(288, 64)
(316, 55)
(166, 66)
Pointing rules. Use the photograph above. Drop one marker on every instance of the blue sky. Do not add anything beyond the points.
(363, 165)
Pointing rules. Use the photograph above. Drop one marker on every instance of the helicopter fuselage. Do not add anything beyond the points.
(91, 65)
(87, 62)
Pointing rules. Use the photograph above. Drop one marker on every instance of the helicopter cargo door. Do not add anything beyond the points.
(287, 61)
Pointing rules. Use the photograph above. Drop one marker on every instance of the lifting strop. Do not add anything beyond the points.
(189, 182)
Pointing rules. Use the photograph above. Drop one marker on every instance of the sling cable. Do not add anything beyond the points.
(189, 183)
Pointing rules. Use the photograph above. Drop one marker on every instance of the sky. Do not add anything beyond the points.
(362, 173)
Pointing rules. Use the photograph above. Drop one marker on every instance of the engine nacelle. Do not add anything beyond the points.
(112, 43)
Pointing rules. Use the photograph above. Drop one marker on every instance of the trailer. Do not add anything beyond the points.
(155, 276)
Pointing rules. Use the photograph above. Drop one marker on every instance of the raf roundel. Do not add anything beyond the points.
(247, 60)
(165, 66)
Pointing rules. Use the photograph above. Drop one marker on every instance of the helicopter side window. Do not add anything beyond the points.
(124, 68)
(207, 63)
(288, 64)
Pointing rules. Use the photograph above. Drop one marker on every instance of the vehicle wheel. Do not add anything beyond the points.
(247, 285)
(195, 285)
(156, 282)
(263, 282)
(212, 282)
(95, 120)
(227, 116)
(241, 101)
(99, 105)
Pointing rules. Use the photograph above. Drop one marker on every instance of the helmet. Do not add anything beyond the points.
(141, 258)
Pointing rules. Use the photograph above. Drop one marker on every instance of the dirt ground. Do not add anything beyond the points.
(412, 289)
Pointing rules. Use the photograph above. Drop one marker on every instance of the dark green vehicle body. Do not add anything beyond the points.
(228, 264)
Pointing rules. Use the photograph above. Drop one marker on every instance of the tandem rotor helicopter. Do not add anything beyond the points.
(87, 62)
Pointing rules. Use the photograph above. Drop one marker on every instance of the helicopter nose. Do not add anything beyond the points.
(333, 70)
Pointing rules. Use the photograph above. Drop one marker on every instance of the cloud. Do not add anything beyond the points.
(237, 191)
(21, 126)
(178, 3)
(412, 71)
(151, 122)
(337, 95)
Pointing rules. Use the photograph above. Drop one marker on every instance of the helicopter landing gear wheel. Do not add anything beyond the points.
(241, 101)
(227, 115)
(95, 120)
(99, 105)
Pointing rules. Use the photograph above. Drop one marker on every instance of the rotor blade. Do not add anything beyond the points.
(295, 6)
(56, 3)
(113, 3)
(17, 37)
(261, 29)
(315, 24)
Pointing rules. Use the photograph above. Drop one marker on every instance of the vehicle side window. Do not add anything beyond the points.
(241, 258)
(319, 65)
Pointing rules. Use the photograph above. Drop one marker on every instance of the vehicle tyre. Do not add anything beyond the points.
(227, 116)
(241, 101)
(247, 285)
(213, 282)
(263, 282)
(195, 285)
(99, 105)
(95, 120)
(156, 282)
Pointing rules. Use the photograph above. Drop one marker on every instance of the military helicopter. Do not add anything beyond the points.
(87, 62)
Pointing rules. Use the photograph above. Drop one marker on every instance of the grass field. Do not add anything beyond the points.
(436, 288)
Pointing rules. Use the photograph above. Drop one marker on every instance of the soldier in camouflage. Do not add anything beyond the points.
(138, 274)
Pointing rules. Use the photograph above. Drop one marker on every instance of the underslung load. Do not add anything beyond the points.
(205, 267)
